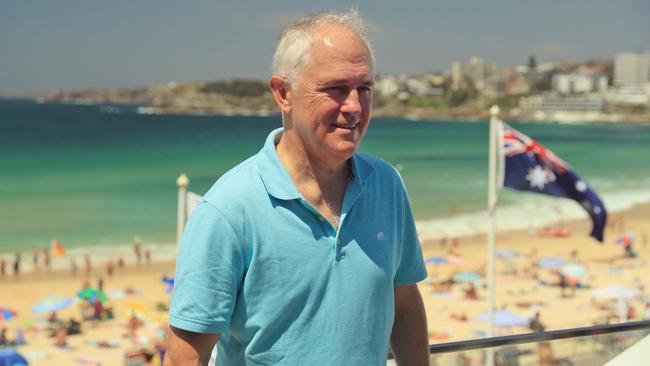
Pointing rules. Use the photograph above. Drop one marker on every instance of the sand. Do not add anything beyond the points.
(604, 262)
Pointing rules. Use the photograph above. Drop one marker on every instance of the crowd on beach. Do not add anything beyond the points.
(101, 311)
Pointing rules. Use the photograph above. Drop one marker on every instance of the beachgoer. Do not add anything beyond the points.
(35, 258)
(97, 309)
(120, 262)
(147, 256)
(535, 323)
(46, 259)
(109, 267)
(17, 259)
(3, 336)
(307, 252)
(19, 339)
(88, 264)
(61, 337)
(3, 267)
(100, 283)
(137, 248)
(73, 266)
(134, 323)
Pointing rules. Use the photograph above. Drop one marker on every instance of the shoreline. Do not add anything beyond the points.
(414, 114)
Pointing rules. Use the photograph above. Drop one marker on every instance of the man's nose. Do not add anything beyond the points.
(352, 103)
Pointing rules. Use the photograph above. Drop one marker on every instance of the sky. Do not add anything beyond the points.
(73, 44)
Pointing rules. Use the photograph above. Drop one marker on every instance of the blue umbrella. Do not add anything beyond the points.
(169, 282)
(468, 277)
(51, 304)
(507, 253)
(436, 260)
(9, 357)
(551, 262)
(574, 270)
(505, 318)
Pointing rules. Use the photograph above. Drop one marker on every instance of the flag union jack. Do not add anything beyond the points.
(529, 166)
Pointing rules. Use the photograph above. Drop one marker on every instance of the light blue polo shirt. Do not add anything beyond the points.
(258, 264)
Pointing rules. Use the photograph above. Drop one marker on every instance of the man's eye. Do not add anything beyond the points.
(365, 89)
(336, 89)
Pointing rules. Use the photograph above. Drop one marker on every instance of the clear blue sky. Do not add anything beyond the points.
(72, 44)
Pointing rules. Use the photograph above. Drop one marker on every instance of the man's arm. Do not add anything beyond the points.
(188, 348)
(409, 339)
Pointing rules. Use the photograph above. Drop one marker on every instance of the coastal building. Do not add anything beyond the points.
(632, 69)
(577, 83)
(557, 103)
(387, 86)
(457, 75)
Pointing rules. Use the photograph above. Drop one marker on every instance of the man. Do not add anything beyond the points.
(306, 253)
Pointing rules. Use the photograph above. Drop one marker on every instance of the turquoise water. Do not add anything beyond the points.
(90, 175)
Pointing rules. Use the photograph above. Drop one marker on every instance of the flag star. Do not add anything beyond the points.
(537, 177)
(581, 186)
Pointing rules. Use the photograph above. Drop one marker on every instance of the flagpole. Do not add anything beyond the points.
(491, 205)
(181, 214)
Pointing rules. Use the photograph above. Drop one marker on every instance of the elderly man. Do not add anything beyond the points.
(306, 253)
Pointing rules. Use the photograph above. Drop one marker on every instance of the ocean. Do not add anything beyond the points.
(96, 176)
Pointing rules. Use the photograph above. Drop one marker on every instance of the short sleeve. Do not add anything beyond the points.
(410, 268)
(209, 272)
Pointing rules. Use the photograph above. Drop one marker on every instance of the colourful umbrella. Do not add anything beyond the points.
(9, 357)
(52, 303)
(551, 262)
(574, 270)
(6, 314)
(436, 260)
(505, 318)
(92, 294)
(468, 277)
(169, 282)
(507, 253)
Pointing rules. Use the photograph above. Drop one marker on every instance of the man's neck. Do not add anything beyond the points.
(322, 183)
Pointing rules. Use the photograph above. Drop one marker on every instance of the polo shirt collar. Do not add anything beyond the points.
(276, 179)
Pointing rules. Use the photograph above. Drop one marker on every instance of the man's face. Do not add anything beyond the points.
(332, 99)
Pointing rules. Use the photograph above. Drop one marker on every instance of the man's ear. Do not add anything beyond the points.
(280, 89)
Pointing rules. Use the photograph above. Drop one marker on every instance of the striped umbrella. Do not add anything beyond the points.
(7, 314)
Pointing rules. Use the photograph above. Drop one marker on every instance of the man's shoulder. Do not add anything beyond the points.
(237, 184)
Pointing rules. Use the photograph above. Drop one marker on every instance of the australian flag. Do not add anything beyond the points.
(529, 166)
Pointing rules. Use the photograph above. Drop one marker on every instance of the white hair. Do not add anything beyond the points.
(292, 52)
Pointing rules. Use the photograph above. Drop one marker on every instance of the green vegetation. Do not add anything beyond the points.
(237, 88)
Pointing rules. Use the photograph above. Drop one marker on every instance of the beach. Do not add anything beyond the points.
(138, 289)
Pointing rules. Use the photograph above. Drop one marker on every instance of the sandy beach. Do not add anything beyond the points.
(521, 289)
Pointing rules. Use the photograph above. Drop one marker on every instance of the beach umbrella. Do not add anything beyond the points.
(614, 292)
(10, 357)
(574, 270)
(467, 277)
(92, 294)
(507, 253)
(505, 318)
(7, 314)
(169, 282)
(436, 260)
(52, 303)
(551, 262)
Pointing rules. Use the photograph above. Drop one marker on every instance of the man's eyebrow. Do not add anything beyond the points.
(345, 82)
